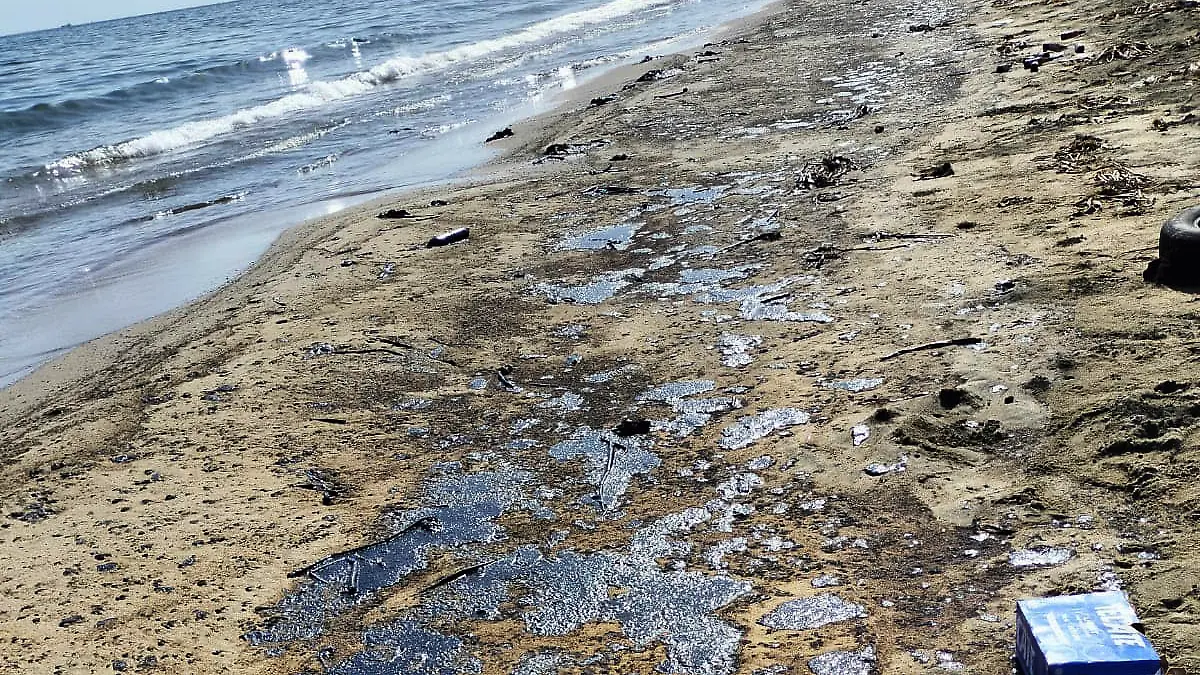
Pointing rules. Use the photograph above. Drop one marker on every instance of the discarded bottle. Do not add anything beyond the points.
(1091, 634)
(451, 237)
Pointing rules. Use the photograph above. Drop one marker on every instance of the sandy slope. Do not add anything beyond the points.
(184, 450)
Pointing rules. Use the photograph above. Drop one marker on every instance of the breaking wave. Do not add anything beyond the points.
(322, 93)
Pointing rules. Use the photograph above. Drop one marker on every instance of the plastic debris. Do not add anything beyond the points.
(451, 237)
(1092, 634)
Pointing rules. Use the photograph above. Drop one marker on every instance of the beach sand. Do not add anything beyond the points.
(160, 485)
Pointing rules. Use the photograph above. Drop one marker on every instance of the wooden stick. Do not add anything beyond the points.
(957, 342)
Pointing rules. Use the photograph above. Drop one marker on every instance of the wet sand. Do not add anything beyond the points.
(683, 409)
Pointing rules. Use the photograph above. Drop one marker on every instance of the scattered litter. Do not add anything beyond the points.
(395, 214)
(943, 170)
(1083, 634)
(560, 150)
(825, 173)
(448, 238)
(506, 132)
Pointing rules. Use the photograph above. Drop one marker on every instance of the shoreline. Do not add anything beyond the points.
(711, 377)
(77, 361)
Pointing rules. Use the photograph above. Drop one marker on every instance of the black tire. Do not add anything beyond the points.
(1179, 250)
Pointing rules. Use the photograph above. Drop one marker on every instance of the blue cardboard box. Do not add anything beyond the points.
(1090, 634)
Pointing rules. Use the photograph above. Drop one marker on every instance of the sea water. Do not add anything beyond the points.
(147, 160)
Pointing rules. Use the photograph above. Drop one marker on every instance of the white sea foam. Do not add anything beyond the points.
(321, 93)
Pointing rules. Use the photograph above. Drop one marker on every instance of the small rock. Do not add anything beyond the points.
(506, 132)
(70, 621)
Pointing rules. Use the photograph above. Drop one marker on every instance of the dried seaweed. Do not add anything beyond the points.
(1079, 156)
(1125, 51)
(825, 173)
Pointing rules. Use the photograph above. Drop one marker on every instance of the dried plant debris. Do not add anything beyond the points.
(1014, 200)
(565, 149)
(825, 173)
(1120, 179)
(325, 482)
(1078, 156)
(1118, 186)
(1124, 51)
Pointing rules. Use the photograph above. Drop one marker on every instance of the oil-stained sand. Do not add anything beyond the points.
(368, 457)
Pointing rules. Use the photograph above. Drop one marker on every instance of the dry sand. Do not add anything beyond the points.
(160, 485)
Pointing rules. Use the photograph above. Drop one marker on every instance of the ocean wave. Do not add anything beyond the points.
(320, 93)
(160, 88)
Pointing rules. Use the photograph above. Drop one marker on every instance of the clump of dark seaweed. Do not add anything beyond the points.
(825, 173)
